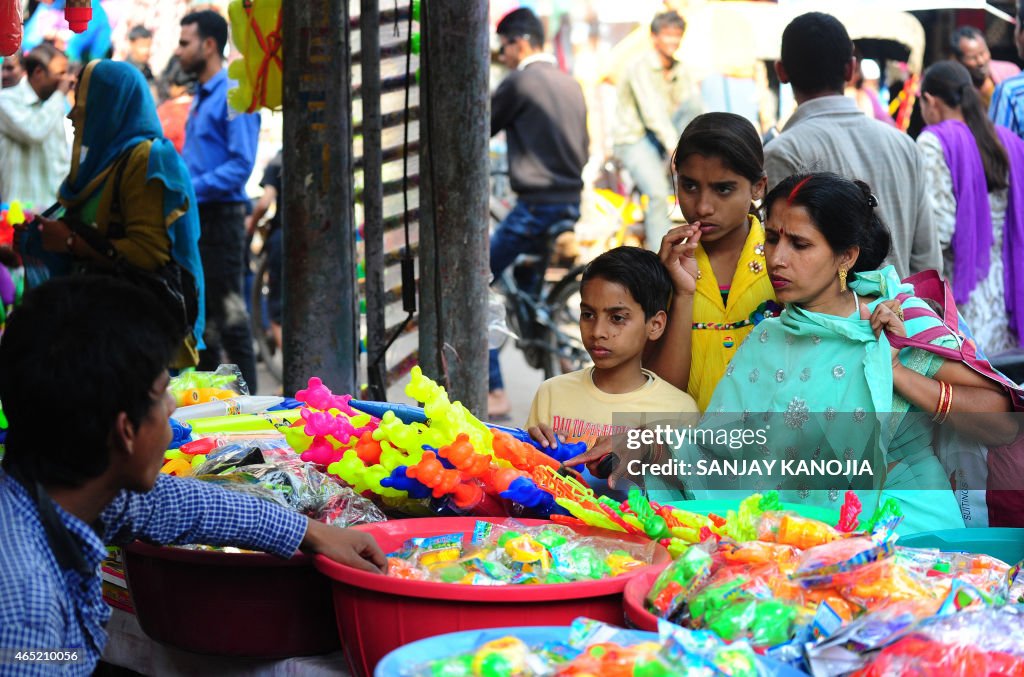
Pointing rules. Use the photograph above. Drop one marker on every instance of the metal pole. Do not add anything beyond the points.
(373, 197)
(456, 111)
(321, 313)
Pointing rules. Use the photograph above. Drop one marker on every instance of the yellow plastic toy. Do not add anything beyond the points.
(15, 213)
(448, 418)
(256, 28)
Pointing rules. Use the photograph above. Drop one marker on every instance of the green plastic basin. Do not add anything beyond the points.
(1003, 543)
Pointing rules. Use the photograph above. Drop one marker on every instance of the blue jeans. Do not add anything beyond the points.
(647, 163)
(523, 231)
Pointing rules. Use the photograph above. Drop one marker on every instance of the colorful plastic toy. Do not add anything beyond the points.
(256, 30)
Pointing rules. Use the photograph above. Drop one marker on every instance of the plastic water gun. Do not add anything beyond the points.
(654, 525)
(461, 454)
(256, 29)
(180, 462)
(519, 454)
(432, 473)
(742, 525)
(409, 437)
(368, 449)
(849, 513)
(196, 387)
(408, 414)
(362, 477)
(445, 416)
(190, 396)
(181, 433)
(400, 481)
(886, 516)
(340, 427)
(318, 396)
(678, 581)
(805, 533)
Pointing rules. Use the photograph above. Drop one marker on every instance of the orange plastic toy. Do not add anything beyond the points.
(521, 455)
(430, 472)
(804, 533)
(368, 449)
(463, 456)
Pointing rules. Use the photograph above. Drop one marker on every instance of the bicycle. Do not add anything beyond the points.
(542, 308)
(267, 350)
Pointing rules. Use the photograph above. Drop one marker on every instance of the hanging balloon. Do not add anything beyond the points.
(78, 14)
(256, 30)
(10, 26)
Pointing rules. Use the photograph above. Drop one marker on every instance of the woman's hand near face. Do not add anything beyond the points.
(678, 254)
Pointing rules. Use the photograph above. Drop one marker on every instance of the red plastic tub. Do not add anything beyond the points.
(231, 604)
(633, 600)
(377, 614)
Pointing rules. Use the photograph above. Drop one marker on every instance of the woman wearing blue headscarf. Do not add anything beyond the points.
(129, 183)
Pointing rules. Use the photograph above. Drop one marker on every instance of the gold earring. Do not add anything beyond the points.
(842, 279)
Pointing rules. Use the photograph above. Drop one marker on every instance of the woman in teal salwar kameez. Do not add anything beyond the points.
(822, 377)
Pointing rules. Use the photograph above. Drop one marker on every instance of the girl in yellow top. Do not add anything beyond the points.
(719, 167)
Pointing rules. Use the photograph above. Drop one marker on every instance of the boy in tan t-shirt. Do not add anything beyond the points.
(625, 295)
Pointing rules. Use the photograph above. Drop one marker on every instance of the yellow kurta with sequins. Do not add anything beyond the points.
(719, 329)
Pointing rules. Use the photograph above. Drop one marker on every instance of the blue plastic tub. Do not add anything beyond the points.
(412, 655)
(1003, 543)
(442, 646)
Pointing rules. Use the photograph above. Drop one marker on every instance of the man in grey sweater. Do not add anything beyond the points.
(829, 133)
(544, 117)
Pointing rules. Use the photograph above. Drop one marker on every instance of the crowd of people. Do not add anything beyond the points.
(136, 168)
(805, 243)
(783, 293)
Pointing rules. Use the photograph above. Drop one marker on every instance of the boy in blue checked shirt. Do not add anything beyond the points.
(83, 382)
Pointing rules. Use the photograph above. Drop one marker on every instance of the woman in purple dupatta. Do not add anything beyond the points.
(976, 176)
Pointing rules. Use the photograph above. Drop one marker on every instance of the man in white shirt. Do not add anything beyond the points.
(11, 71)
(34, 152)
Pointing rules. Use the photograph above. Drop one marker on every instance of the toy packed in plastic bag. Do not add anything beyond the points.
(975, 643)
(259, 468)
(512, 554)
(198, 387)
(758, 517)
(594, 648)
(804, 580)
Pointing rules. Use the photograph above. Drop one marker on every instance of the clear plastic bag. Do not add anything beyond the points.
(198, 387)
(497, 326)
(347, 508)
(969, 644)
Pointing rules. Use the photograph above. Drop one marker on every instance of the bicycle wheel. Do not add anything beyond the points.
(266, 348)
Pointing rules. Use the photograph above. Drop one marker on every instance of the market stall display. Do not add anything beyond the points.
(406, 610)
(810, 589)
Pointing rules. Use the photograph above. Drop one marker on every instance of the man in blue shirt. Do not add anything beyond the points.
(83, 381)
(220, 151)
(1007, 107)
